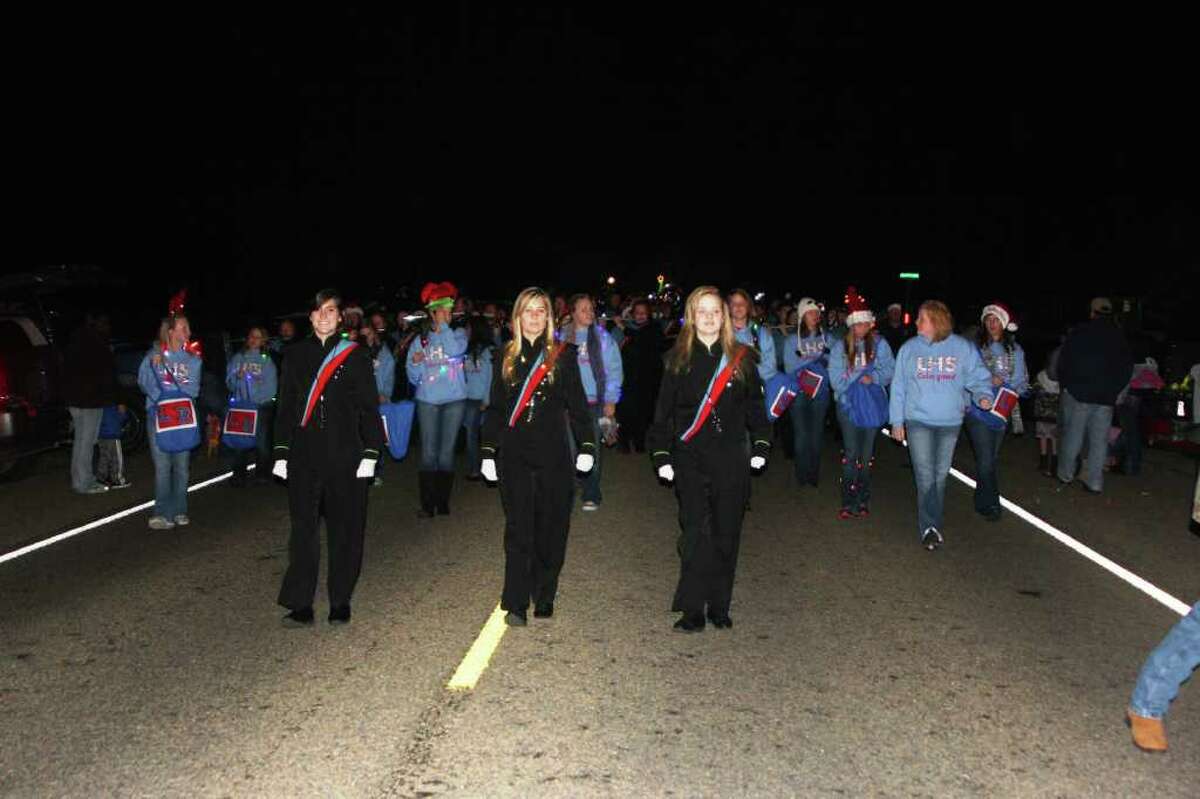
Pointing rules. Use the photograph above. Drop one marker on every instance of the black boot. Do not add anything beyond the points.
(1053, 466)
(1044, 463)
(445, 482)
(428, 491)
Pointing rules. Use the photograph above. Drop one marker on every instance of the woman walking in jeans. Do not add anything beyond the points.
(808, 350)
(169, 364)
(933, 370)
(435, 367)
(1005, 360)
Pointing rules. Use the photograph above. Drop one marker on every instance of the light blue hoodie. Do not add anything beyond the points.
(179, 369)
(803, 352)
(842, 374)
(931, 380)
(1011, 367)
(765, 345)
(610, 353)
(261, 378)
(385, 373)
(439, 378)
(479, 375)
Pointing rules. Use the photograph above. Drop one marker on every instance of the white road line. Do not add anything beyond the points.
(121, 514)
(1143, 585)
(480, 653)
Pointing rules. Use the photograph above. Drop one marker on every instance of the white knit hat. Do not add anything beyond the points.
(805, 305)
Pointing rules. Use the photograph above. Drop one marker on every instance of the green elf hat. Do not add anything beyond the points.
(439, 295)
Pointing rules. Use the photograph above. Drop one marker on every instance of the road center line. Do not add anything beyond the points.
(480, 653)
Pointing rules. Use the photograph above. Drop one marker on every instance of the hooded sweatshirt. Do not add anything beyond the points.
(755, 335)
(931, 378)
(179, 369)
(842, 374)
(610, 353)
(439, 378)
(261, 379)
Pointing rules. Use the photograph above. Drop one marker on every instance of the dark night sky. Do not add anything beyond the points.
(255, 158)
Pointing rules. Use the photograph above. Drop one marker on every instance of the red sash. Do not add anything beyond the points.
(532, 382)
(715, 389)
(337, 356)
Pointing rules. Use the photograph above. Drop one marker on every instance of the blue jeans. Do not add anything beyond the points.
(1168, 667)
(439, 430)
(472, 418)
(86, 422)
(858, 450)
(170, 480)
(931, 450)
(986, 442)
(590, 483)
(808, 428)
(1082, 419)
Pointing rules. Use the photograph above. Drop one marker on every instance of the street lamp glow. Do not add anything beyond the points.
(612, 281)
(910, 275)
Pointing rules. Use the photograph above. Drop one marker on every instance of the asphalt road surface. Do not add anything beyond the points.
(135, 663)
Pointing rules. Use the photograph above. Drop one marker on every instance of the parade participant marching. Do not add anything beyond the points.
(806, 355)
(1005, 359)
(752, 334)
(863, 358)
(641, 367)
(170, 368)
(933, 370)
(328, 437)
(601, 375)
(384, 364)
(711, 395)
(478, 367)
(534, 392)
(435, 367)
(251, 373)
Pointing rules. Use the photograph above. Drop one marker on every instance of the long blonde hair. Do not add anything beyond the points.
(513, 349)
(681, 354)
(165, 327)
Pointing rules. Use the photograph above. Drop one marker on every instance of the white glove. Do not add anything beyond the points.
(280, 470)
(584, 462)
(488, 470)
(757, 462)
(667, 473)
(366, 468)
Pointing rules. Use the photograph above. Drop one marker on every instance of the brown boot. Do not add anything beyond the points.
(1149, 735)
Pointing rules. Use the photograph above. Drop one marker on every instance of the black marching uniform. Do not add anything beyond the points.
(712, 473)
(537, 476)
(322, 459)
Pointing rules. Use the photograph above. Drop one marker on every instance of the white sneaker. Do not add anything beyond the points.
(589, 505)
(122, 484)
(182, 520)
(161, 523)
(98, 488)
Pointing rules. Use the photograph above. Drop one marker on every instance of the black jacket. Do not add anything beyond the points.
(345, 426)
(641, 357)
(1095, 362)
(540, 435)
(89, 371)
(741, 407)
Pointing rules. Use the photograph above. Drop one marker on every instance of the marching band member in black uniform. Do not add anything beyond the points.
(535, 389)
(328, 436)
(711, 395)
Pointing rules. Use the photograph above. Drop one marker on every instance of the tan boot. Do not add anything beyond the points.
(1149, 735)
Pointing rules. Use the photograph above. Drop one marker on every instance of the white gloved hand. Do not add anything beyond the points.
(488, 470)
(757, 462)
(366, 468)
(584, 462)
(667, 473)
(280, 470)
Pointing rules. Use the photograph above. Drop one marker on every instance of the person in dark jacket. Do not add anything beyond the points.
(328, 438)
(700, 445)
(1093, 367)
(641, 357)
(535, 390)
(89, 384)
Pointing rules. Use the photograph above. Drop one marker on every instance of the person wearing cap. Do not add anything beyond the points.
(1004, 358)
(435, 366)
(1093, 367)
(894, 330)
(809, 350)
(863, 356)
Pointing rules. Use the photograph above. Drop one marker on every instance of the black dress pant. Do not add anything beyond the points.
(342, 499)
(712, 493)
(537, 517)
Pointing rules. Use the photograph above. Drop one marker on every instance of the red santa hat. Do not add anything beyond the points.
(1001, 312)
(439, 295)
(857, 310)
(177, 303)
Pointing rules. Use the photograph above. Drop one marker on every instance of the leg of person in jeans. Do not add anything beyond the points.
(471, 415)
(1099, 420)
(931, 450)
(1168, 667)
(180, 465)
(851, 457)
(448, 424)
(1072, 431)
(428, 417)
(808, 426)
(986, 443)
(591, 481)
(162, 482)
(86, 423)
(866, 448)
